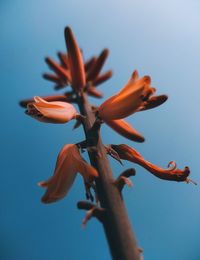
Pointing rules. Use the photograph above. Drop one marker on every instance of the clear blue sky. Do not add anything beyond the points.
(159, 38)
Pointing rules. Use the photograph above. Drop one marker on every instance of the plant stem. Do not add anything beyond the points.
(117, 228)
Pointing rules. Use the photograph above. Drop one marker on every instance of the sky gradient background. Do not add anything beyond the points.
(159, 38)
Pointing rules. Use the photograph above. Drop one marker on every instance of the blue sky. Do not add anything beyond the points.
(159, 38)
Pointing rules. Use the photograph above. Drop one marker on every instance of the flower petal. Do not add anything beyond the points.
(128, 99)
(172, 173)
(51, 112)
(64, 175)
(118, 107)
(125, 129)
(69, 163)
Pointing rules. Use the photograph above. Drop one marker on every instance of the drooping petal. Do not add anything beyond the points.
(172, 173)
(51, 112)
(75, 60)
(125, 129)
(64, 175)
(69, 163)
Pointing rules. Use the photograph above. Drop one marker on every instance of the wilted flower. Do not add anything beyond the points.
(69, 163)
(172, 173)
(51, 112)
(132, 97)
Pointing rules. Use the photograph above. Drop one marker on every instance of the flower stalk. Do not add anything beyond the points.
(116, 225)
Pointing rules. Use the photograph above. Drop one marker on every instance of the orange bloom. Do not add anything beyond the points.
(69, 163)
(125, 129)
(51, 112)
(76, 64)
(128, 100)
(172, 173)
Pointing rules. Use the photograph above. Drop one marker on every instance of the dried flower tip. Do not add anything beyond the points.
(123, 179)
(113, 153)
(191, 181)
(92, 211)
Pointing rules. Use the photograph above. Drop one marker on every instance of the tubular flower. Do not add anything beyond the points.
(69, 163)
(128, 101)
(51, 112)
(172, 173)
(125, 129)
(76, 64)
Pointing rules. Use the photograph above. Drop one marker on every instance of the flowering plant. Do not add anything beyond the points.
(137, 95)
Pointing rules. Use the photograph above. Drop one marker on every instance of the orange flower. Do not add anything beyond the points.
(172, 174)
(76, 64)
(128, 100)
(51, 112)
(69, 163)
(125, 129)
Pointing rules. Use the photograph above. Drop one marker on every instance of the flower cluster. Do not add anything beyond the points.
(137, 95)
